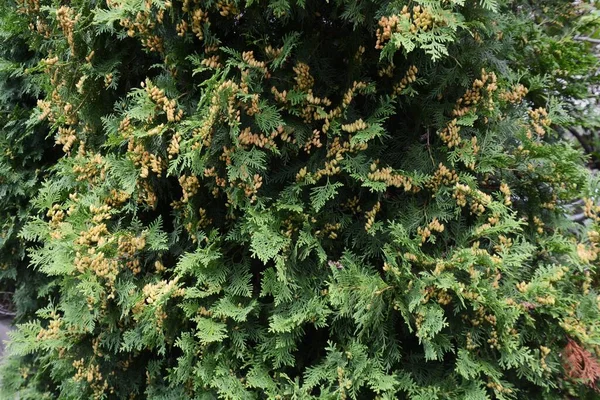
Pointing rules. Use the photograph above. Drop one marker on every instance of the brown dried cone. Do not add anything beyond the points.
(580, 365)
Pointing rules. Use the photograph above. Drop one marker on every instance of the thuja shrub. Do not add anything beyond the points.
(301, 200)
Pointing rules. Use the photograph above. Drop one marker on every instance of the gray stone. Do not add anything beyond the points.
(5, 327)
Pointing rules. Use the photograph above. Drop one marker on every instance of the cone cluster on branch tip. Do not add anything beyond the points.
(425, 232)
(539, 121)
(304, 80)
(442, 176)
(190, 186)
(370, 216)
(451, 134)
(420, 20)
(169, 106)
(145, 160)
(515, 95)
(67, 19)
(391, 178)
(409, 77)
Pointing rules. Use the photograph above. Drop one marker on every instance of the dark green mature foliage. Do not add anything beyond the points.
(297, 199)
(26, 150)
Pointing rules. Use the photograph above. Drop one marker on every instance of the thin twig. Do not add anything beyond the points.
(6, 313)
(587, 39)
(586, 146)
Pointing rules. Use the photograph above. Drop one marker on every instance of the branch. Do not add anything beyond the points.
(7, 313)
(586, 39)
(586, 146)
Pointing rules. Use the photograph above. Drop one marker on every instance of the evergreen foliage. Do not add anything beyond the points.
(296, 199)
(26, 152)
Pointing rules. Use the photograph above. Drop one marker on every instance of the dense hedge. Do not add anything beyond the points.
(297, 199)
